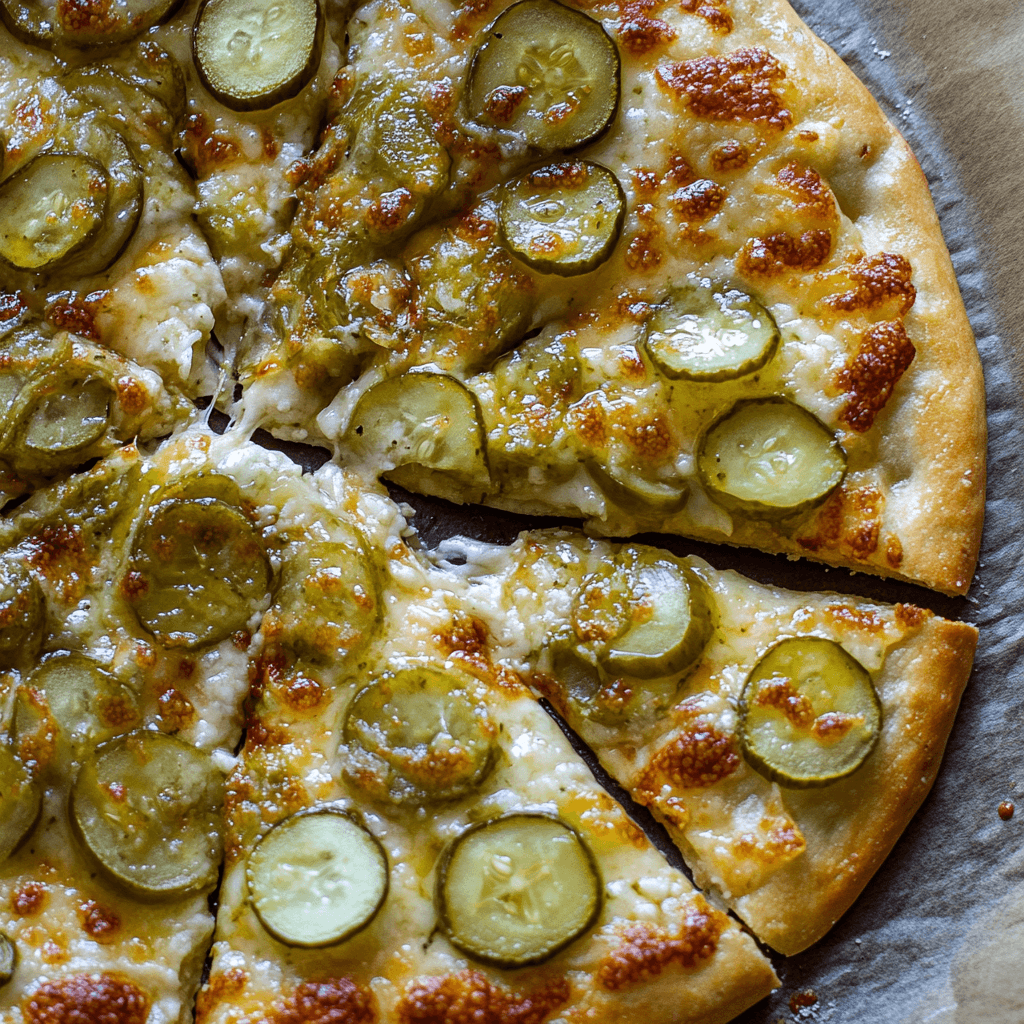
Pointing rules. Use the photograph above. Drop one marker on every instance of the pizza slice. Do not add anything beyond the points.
(97, 233)
(411, 838)
(689, 280)
(129, 595)
(785, 740)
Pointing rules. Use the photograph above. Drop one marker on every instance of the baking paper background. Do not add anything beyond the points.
(938, 935)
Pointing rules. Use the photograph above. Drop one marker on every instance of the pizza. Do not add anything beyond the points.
(658, 268)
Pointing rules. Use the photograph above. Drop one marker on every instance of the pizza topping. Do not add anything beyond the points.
(423, 420)
(707, 332)
(630, 486)
(59, 424)
(52, 210)
(515, 890)
(775, 254)
(22, 801)
(100, 998)
(769, 457)
(647, 614)
(317, 878)
(83, 703)
(879, 279)
(148, 808)
(564, 218)
(419, 734)
(809, 714)
(8, 959)
(470, 998)
(330, 1001)
(253, 54)
(869, 377)
(548, 73)
(199, 572)
(21, 612)
(735, 87)
(82, 23)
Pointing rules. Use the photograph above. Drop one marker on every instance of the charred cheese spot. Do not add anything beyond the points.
(92, 16)
(775, 254)
(645, 951)
(87, 999)
(302, 693)
(221, 986)
(714, 12)
(12, 305)
(131, 395)
(729, 156)
(174, 709)
(878, 279)
(849, 518)
(641, 254)
(204, 150)
(869, 377)
(863, 619)
(58, 554)
(391, 211)
(501, 105)
(99, 922)
(28, 899)
(333, 1001)
(734, 87)
(813, 197)
(67, 313)
(893, 551)
(698, 756)
(469, 998)
(640, 34)
(699, 201)
(909, 616)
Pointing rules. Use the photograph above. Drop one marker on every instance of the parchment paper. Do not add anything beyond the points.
(938, 935)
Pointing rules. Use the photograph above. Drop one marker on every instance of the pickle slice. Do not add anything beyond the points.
(199, 572)
(51, 210)
(148, 807)
(86, 703)
(8, 959)
(61, 423)
(253, 54)
(633, 491)
(809, 714)
(646, 615)
(22, 611)
(710, 333)
(317, 878)
(547, 72)
(769, 457)
(423, 419)
(53, 23)
(420, 734)
(564, 218)
(516, 890)
(21, 803)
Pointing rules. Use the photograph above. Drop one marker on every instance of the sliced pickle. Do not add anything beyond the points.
(515, 890)
(424, 419)
(634, 491)
(57, 23)
(59, 424)
(253, 54)
(547, 72)
(328, 602)
(647, 614)
(51, 210)
(809, 714)
(564, 218)
(769, 457)
(148, 807)
(317, 878)
(419, 734)
(22, 611)
(710, 333)
(199, 572)
(22, 801)
(86, 704)
(8, 959)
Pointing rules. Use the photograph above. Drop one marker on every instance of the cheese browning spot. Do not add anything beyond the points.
(469, 998)
(332, 1001)
(98, 921)
(646, 951)
(96, 998)
(813, 196)
(735, 87)
(774, 254)
(699, 756)
(869, 377)
(878, 280)
(640, 34)
(729, 156)
(27, 900)
(714, 12)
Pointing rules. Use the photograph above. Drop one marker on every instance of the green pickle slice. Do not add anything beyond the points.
(547, 72)
(22, 612)
(646, 615)
(86, 703)
(564, 218)
(51, 210)
(56, 23)
(62, 422)
(631, 489)
(769, 457)
(22, 801)
(422, 420)
(317, 878)
(8, 959)
(253, 54)
(515, 890)
(148, 807)
(419, 734)
(199, 572)
(809, 714)
(710, 333)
